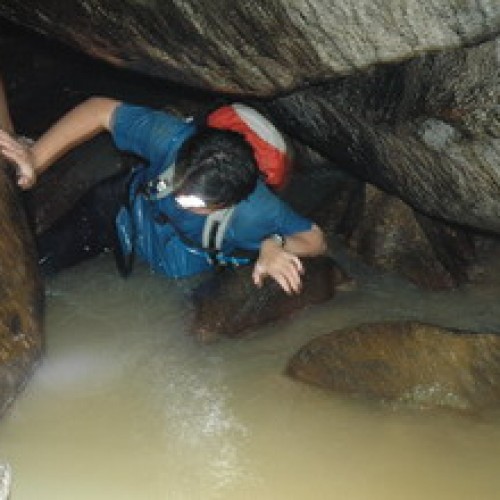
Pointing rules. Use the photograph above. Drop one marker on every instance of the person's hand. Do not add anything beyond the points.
(19, 153)
(284, 267)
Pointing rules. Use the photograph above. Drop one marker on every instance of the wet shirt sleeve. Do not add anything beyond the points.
(144, 131)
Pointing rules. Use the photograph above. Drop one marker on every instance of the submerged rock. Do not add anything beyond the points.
(230, 305)
(21, 294)
(410, 363)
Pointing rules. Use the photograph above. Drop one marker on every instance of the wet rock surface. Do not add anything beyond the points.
(390, 236)
(261, 46)
(323, 192)
(408, 363)
(21, 295)
(230, 305)
(427, 131)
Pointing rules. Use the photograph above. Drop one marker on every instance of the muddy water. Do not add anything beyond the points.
(127, 406)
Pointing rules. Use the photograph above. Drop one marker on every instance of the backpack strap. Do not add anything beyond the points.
(215, 228)
(214, 231)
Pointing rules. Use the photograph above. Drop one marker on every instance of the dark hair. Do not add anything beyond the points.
(217, 165)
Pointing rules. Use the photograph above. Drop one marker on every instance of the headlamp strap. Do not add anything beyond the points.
(162, 185)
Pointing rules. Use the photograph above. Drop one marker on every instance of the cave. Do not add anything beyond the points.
(208, 387)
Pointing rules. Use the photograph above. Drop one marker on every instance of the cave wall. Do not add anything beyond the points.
(403, 95)
(427, 131)
(21, 294)
(259, 47)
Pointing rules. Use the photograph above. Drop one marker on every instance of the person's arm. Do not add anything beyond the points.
(5, 119)
(77, 126)
(80, 124)
(281, 261)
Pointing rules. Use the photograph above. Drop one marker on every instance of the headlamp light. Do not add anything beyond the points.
(190, 201)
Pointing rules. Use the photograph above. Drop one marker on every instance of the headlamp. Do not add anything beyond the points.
(190, 201)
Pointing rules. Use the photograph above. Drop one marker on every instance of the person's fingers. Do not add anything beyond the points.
(8, 143)
(286, 271)
(257, 274)
(293, 277)
(4, 135)
(288, 277)
(283, 283)
(12, 148)
(13, 155)
(298, 263)
(24, 182)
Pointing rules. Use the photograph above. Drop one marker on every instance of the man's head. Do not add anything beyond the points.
(217, 167)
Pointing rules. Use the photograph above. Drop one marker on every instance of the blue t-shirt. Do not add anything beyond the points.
(157, 136)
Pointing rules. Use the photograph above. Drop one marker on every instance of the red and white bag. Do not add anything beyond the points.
(269, 145)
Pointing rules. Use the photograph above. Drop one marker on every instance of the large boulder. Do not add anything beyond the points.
(229, 304)
(260, 47)
(392, 237)
(407, 363)
(21, 294)
(427, 131)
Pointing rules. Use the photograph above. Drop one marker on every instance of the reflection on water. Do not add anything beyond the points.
(127, 406)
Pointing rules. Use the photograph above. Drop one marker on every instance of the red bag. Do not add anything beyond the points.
(268, 143)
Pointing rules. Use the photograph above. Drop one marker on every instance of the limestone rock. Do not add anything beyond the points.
(427, 131)
(407, 363)
(262, 46)
(21, 295)
(323, 192)
(389, 236)
(230, 305)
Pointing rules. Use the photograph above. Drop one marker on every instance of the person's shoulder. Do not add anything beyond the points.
(262, 192)
(150, 133)
(261, 202)
(129, 111)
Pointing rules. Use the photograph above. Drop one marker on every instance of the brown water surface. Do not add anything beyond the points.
(127, 406)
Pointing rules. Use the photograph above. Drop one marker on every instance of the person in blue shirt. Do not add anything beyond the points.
(192, 174)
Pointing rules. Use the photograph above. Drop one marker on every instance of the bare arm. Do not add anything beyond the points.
(80, 124)
(283, 264)
(77, 126)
